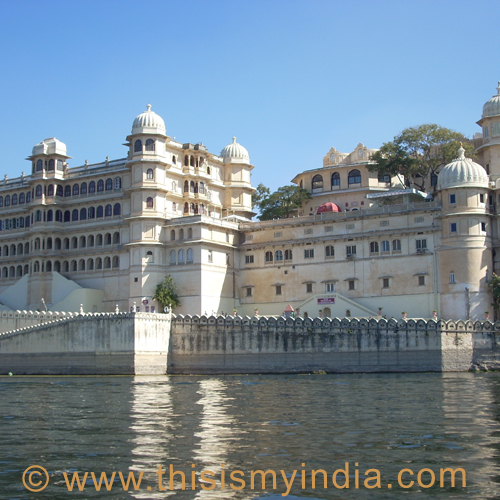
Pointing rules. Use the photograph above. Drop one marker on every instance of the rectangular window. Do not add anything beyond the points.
(330, 287)
(453, 199)
(309, 253)
(481, 198)
(351, 284)
(453, 227)
(309, 287)
(483, 226)
(248, 259)
(385, 283)
(249, 291)
(278, 289)
(421, 245)
(210, 256)
(350, 250)
(452, 277)
(421, 281)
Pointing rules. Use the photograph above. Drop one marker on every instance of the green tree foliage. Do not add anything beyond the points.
(282, 203)
(166, 294)
(494, 285)
(418, 152)
(260, 194)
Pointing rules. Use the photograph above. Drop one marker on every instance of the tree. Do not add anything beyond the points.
(494, 285)
(260, 194)
(418, 152)
(166, 294)
(283, 202)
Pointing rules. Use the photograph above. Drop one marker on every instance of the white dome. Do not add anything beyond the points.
(49, 147)
(462, 172)
(148, 123)
(492, 107)
(235, 151)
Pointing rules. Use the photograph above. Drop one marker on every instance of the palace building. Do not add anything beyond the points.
(105, 235)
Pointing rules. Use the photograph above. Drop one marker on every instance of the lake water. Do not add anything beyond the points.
(385, 421)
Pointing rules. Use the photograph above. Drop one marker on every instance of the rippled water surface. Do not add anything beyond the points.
(385, 422)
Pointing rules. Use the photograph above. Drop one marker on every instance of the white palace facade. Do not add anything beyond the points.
(105, 235)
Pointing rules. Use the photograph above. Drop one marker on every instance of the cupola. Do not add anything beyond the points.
(492, 107)
(235, 151)
(148, 123)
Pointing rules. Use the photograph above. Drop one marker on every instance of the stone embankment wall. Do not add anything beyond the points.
(88, 344)
(278, 345)
(14, 320)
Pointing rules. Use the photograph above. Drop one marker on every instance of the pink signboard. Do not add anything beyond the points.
(326, 300)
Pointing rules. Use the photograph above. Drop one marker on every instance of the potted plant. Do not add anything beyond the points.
(380, 311)
(255, 311)
(487, 314)
(404, 314)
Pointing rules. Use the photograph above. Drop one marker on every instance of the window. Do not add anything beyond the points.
(309, 287)
(14, 198)
(249, 291)
(189, 256)
(50, 191)
(202, 188)
(317, 182)
(117, 209)
(384, 178)
(22, 199)
(211, 256)
(149, 202)
(385, 246)
(385, 282)
(335, 179)
(1, 201)
(434, 180)
(91, 213)
(149, 173)
(453, 199)
(92, 187)
(150, 145)
(67, 216)
(100, 186)
(453, 227)
(352, 285)
(421, 245)
(329, 251)
(28, 197)
(269, 257)
(374, 247)
(109, 184)
(83, 189)
(83, 213)
(481, 198)
(173, 256)
(100, 211)
(76, 190)
(38, 193)
(278, 256)
(309, 253)
(138, 146)
(354, 177)
(483, 227)
(74, 215)
(350, 250)
(452, 277)
(278, 289)
(108, 211)
(288, 255)
(329, 287)
(421, 281)
(396, 245)
(249, 259)
(67, 191)
(60, 165)
(39, 165)
(118, 182)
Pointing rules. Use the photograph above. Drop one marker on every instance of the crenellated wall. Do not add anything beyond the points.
(141, 343)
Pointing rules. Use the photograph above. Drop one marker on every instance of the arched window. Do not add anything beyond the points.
(278, 256)
(92, 187)
(385, 246)
(66, 243)
(116, 238)
(186, 161)
(109, 184)
(76, 190)
(172, 235)
(36, 267)
(118, 182)
(191, 161)
(180, 256)
(107, 239)
(108, 211)
(335, 179)
(14, 199)
(191, 207)
(13, 249)
(374, 247)
(202, 188)
(269, 256)
(150, 145)
(7, 198)
(91, 240)
(117, 209)
(74, 242)
(107, 262)
(51, 165)
(39, 165)
(91, 213)
(196, 209)
(67, 191)
(186, 186)
(57, 266)
(202, 209)
(22, 199)
(329, 251)
(58, 244)
(116, 261)
(149, 173)
(90, 264)
(60, 165)
(74, 215)
(100, 186)
(82, 265)
(74, 266)
(354, 177)
(396, 245)
(189, 256)
(99, 240)
(174, 160)
(83, 189)
(50, 216)
(83, 214)
(100, 211)
(59, 190)
(181, 234)
(20, 249)
(191, 186)
(49, 243)
(173, 255)
(317, 182)
(190, 233)
(186, 207)
(98, 263)
(288, 255)
(138, 146)
(65, 266)
(149, 202)
(5, 251)
(38, 193)
(50, 190)
(1, 201)
(38, 216)
(28, 197)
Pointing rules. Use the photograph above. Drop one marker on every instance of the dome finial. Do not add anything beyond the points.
(234, 140)
(498, 89)
(149, 107)
(461, 152)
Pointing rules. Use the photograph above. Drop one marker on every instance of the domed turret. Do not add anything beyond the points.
(462, 172)
(492, 107)
(49, 147)
(328, 207)
(148, 123)
(235, 151)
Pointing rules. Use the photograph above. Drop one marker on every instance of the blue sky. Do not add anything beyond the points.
(289, 78)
